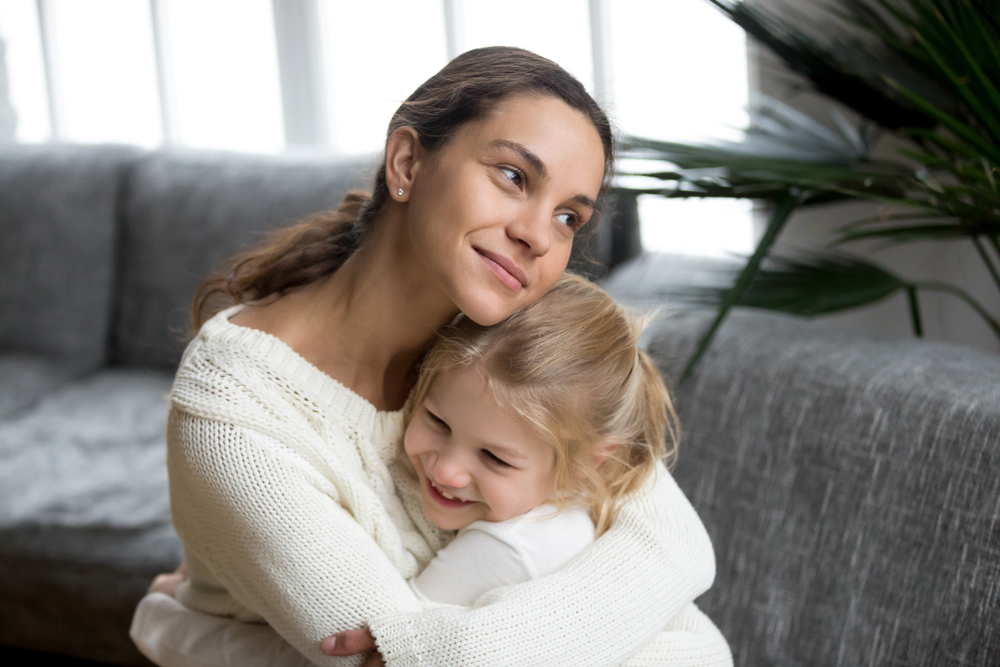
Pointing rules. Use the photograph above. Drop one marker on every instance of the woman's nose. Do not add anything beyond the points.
(533, 229)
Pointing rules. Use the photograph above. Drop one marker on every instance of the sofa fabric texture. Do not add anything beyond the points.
(85, 518)
(57, 249)
(851, 489)
(184, 212)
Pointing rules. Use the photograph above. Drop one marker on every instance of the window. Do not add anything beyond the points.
(274, 75)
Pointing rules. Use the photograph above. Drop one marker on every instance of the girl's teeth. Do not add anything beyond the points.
(442, 491)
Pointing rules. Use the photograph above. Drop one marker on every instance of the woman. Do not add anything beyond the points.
(287, 412)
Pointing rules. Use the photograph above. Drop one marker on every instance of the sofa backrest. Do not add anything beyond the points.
(851, 487)
(183, 212)
(57, 249)
(102, 248)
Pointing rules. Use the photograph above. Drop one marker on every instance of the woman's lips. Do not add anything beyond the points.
(506, 270)
(447, 502)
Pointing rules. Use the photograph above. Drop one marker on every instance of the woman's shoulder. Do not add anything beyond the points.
(233, 365)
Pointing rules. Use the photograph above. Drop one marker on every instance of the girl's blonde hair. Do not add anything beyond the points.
(570, 365)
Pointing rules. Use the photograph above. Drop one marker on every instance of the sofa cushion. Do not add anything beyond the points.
(25, 378)
(57, 223)
(186, 211)
(84, 514)
(850, 486)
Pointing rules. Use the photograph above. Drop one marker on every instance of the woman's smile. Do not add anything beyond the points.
(509, 273)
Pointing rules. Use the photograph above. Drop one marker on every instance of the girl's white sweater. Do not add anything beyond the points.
(285, 488)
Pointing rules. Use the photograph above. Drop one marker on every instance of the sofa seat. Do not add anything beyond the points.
(84, 514)
(26, 378)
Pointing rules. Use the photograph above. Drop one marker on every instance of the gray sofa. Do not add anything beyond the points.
(851, 486)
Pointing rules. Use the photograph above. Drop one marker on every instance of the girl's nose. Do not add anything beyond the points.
(449, 471)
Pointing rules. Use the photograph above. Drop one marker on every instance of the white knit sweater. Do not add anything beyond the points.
(285, 489)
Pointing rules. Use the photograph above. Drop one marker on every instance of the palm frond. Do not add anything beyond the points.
(810, 284)
(926, 70)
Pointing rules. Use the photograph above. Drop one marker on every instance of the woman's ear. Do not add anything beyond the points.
(402, 152)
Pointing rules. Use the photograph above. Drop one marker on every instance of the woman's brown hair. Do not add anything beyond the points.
(467, 88)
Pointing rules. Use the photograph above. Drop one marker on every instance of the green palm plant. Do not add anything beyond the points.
(926, 71)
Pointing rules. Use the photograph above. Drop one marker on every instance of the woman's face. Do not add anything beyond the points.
(475, 460)
(492, 214)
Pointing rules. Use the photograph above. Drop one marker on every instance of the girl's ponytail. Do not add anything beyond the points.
(645, 430)
(654, 410)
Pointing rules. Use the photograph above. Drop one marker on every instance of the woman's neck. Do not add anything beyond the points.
(368, 324)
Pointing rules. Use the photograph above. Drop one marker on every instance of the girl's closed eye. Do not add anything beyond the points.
(495, 460)
(437, 421)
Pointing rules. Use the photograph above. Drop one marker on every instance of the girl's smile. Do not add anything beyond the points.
(475, 459)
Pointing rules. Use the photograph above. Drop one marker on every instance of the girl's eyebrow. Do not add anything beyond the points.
(536, 164)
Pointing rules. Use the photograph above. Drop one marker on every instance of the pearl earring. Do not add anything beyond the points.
(399, 192)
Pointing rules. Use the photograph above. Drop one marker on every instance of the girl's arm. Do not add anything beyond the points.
(599, 610)
(266, 540)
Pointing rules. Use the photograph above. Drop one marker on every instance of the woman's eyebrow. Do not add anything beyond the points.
(536, 164)
(522, 150)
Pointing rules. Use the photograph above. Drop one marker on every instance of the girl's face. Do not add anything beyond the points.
(493, 213)
(474, 459)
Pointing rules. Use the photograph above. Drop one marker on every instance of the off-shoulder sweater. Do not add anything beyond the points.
(295, 510)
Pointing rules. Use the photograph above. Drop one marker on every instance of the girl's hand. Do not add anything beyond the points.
(352, 642)
(167, 583)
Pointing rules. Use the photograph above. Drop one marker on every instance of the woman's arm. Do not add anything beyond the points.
(267, 540)
(690, 639)
(598, 610)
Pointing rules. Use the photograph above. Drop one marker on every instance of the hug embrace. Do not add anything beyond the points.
(372, 380)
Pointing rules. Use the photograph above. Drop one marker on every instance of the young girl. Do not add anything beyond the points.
(525, 437)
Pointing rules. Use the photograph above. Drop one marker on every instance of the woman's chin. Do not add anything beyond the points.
(488, 311)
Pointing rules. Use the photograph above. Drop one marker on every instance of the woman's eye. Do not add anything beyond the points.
(495, 460)
(571, 220)
(513, 175)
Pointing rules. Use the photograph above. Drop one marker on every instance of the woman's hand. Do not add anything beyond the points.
(167, 583)
(352, 642)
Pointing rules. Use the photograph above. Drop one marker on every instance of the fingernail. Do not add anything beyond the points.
(328, 645)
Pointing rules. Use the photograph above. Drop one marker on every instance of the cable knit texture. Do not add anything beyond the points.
(286, 491)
